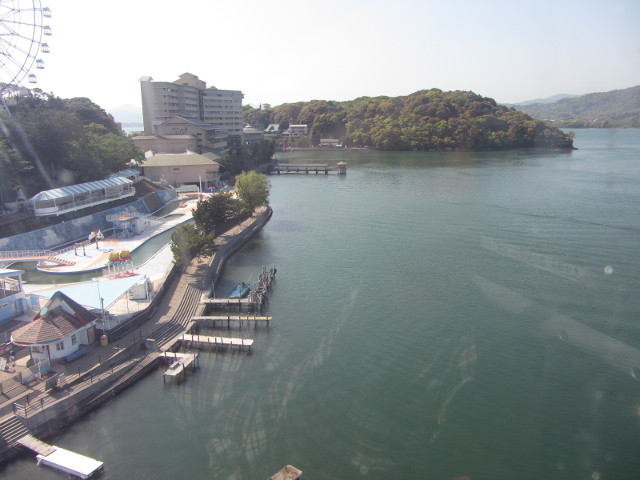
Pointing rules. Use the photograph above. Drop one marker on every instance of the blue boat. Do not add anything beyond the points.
(239, 291)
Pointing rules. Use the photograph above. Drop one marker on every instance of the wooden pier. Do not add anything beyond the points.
(340, 168)
(220, 320)
(228, 303)
(180, 363)
(202, 341)
(60, 459)
(36, 445)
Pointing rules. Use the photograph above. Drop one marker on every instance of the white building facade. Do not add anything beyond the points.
(189, 96)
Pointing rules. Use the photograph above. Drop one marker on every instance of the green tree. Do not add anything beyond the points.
(189, 242)
(258, 118)
(55, 142)
(88, 112)
(253, 189)
(216, 211)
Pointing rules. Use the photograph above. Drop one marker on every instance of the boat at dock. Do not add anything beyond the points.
(240, 290)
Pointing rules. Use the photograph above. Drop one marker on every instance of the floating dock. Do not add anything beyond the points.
(287, 473)
(202, 341)
(70, 462)
(60, 459)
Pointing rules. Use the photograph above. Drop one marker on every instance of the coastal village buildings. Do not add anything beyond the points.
(212, 116)
(297, 130)
(251, 135)
(166, 144)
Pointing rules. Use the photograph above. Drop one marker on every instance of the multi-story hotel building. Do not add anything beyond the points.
(189, 97)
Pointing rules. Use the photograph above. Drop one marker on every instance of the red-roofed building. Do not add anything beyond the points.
(62, 327)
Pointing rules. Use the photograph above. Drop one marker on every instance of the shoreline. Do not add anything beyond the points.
(105, 371)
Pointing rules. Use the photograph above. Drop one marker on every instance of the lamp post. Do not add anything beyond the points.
(101, 302)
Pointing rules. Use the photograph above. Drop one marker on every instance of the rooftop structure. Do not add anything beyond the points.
(13, 300)
(75, 197)
(61, 327)
(183, 169)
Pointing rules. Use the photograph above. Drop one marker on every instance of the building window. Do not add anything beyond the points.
(60, 346)
(74, 339)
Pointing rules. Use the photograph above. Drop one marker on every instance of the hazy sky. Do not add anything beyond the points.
(282, 51)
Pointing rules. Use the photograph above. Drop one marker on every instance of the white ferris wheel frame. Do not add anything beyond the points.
(21, 31)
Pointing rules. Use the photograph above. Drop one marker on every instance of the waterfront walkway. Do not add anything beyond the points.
(105, 370)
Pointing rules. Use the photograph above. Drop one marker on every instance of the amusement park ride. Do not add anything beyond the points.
(21, 33)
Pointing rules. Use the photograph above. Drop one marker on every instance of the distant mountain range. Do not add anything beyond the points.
(127, 115)
(552, 99)
(617, 108)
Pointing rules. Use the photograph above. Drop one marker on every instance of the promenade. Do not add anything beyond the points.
(105, 370)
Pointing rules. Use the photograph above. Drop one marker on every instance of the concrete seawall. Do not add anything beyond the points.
(228, 248)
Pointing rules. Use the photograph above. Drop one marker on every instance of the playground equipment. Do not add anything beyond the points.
(97, 235)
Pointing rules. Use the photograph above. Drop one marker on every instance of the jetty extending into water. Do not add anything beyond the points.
(179, 363)
(213, 343)
(229, 320)
(307, 168)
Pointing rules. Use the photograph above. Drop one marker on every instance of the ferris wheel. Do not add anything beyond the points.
(21, 32)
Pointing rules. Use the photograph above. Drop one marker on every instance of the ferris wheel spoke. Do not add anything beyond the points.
(21, 31)
(20, 23)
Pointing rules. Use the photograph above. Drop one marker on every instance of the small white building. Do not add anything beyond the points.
(13, 301)
(297, 130)
(62, 328)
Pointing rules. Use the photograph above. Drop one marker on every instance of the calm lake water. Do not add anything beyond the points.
(435, 316)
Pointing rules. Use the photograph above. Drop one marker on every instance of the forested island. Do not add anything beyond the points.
(427, 120)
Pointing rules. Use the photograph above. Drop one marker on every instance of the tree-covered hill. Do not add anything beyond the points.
(48, 142)
(617, 108)
(425, 120)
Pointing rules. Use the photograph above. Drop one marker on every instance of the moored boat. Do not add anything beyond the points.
(240, 290)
